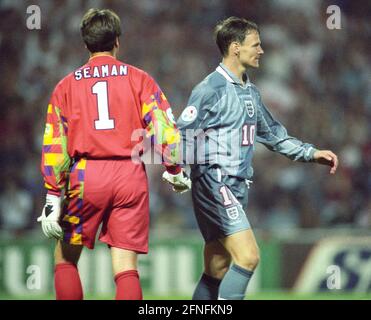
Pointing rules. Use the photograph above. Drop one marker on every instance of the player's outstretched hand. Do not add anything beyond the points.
(328, 158)
(50, 217)
(180, 182)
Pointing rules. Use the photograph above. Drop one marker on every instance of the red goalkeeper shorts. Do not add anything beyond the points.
(113, 193)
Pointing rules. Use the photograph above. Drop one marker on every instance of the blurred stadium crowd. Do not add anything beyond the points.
(315, 80)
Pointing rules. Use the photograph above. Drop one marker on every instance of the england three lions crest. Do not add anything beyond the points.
(233, 213)
(250, 108)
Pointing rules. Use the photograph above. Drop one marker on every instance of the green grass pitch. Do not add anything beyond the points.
(256, 296)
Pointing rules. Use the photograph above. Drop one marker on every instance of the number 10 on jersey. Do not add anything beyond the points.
(248, 134)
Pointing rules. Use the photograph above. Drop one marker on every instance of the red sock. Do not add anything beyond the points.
(67, 282)
(128, 286)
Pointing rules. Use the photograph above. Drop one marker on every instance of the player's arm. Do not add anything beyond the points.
(160, 126)
(55, 164)
(55, 160)
(274, 136)
(194, 119)
(161, 129)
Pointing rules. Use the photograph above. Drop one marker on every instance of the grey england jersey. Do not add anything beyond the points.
(223, 120)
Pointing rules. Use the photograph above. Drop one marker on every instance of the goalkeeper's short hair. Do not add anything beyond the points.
(99, 29)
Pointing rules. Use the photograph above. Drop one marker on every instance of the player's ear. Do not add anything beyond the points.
(235, 48)
(117, 42)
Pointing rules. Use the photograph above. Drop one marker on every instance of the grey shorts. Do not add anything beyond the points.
(218, 204)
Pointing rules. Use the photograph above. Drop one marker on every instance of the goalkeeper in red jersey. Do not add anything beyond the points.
(90, 176)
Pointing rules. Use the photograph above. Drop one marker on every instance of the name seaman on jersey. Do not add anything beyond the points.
(101, 71)
(191, 309)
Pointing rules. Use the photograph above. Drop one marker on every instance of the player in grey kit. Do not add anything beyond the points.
(224, 118)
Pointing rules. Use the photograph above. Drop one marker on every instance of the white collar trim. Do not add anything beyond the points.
(224, 74)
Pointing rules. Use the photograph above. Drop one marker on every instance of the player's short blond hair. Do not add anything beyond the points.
(230, 30)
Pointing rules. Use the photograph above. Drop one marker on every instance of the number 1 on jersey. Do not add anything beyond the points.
(103, 122)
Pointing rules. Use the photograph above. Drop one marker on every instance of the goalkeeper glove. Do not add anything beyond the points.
(50, 217)
(180, 182)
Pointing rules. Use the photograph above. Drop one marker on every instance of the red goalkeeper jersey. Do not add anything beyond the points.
(98, 112)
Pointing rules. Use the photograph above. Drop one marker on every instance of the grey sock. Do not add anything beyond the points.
(234, 284)
(207, 288)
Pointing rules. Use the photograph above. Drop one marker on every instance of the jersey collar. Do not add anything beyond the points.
(104, 55)
(223, 70)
